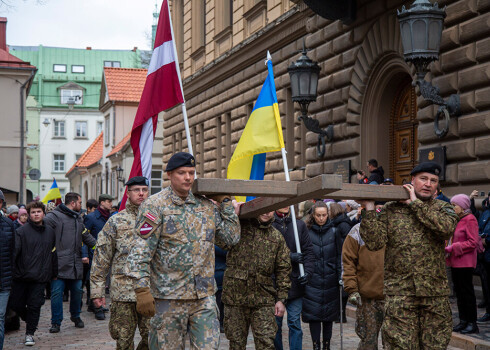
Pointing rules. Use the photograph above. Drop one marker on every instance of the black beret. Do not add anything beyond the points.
(427, 167)
(180, 159)
(137, 180)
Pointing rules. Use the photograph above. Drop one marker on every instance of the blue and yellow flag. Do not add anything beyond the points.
(53, 193)
(263, 133)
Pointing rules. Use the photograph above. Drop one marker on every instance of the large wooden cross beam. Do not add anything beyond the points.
(273, 195)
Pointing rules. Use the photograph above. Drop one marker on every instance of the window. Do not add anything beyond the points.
(115, 64)
(99, 127)
(156, 181)
(77, 69)
(77, 156)
(59, 68)
(28, 163)
(80, 129)
(106, 131)
(198, 27)
(71, 97)
(59, 128)
(58, 163)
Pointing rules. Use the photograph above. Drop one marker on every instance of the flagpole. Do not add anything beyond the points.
(184, 109)
(292, 211)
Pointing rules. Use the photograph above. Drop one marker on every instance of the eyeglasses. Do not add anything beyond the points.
(144, 190)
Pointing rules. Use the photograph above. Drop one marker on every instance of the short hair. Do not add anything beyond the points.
(92, 203)
(36, 205)
(373, 162)
(335, 210)
(71, 197)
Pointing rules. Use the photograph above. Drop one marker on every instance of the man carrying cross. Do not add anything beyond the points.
(417, 310)
(172, 260)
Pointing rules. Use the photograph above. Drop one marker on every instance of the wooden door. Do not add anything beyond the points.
(403, 135)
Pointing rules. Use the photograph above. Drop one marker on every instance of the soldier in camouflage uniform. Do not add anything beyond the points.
(249, 294)
(174, 257)
(362, 273)
(113, 246)
(417, 310)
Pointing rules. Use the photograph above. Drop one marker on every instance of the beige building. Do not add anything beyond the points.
(106, 164)
(15, 81)
(364, 89)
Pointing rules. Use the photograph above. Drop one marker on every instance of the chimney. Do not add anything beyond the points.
(3, 33)
(89, 47)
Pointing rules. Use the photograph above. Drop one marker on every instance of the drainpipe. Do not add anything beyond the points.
(113, 124)
(22, 136)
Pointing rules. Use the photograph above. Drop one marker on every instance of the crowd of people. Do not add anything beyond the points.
(180, 265)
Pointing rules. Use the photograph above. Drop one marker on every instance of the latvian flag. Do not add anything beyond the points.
(163, 90)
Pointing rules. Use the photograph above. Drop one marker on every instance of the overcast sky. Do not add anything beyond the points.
(101, 24)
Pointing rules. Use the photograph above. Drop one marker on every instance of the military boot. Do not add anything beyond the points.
(316, 345)
(326, 345)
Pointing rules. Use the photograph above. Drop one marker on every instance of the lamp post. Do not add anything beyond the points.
(421, 30)
(303, 75)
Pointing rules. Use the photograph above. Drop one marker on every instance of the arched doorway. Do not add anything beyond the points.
(403, 132)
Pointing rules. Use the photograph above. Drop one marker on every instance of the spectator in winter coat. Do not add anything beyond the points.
(70, 233)
(6, 250)
(284, 224)
(22, 219)
(461, 257)
(376, 174)
(351, 210)
(35, 262)
(321, 305)
(13, 212)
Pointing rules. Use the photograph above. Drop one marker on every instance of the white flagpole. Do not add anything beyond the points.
(184, 109)
(292, 211)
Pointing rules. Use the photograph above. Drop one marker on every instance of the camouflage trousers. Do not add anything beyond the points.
(175, 319)
(417, 322)
(369, 318)
(238, 320)
(123, 323)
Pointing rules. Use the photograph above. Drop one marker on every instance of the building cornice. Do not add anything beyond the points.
(271, 38)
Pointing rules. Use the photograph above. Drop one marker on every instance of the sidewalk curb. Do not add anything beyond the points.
(461, 341)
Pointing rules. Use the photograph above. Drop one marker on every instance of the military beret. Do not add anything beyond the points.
(105, 197)
(388, 180)
(180, 159)
(427, 167)
(137, 180)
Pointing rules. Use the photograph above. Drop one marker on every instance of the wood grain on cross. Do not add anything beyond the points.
(273, 195)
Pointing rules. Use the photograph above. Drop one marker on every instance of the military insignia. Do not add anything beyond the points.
(436, 171)
(193, 162)
(147, 229)
(431, 155)
(151, 217)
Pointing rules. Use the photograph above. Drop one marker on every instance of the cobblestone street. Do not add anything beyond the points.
(95, 335)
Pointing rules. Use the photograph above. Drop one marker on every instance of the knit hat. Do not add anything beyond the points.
(22, 211)
(462, 200)
(12, 209)
(353, 204)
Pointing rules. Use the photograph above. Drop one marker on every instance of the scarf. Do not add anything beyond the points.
(105, 213)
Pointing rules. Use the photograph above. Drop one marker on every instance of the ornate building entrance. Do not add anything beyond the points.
(403, 133)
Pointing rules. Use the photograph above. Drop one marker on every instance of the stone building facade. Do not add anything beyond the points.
(365, 88)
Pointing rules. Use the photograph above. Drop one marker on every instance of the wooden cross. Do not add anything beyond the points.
(273, 195)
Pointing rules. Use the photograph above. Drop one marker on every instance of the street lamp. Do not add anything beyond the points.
(304, 75)
(46, 122)
(421, 30)
(120, 176)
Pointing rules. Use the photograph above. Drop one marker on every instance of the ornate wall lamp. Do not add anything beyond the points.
(304, 75)
(120, 174)
(421, 30)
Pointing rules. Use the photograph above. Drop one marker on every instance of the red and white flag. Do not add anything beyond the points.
(163, 90)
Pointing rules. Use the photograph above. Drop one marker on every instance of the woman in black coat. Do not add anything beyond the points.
(321, 299)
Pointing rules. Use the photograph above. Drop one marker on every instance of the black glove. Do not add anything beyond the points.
(297, 258)
(303, 280)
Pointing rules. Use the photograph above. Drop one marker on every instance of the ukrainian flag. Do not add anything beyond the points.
(263, 133)
(53, 193)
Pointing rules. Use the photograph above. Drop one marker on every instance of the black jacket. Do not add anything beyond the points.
(321, 299)
(376, 175)
(285, 226)
(6, 249)
(35, 258)
(343, 224)
(70, 232)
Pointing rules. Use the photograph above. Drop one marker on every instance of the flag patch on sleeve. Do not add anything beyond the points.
(147, 229)
(151, 217)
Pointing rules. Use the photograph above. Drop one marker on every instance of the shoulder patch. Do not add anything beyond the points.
(147, 228)
(151, 217)
(449, 210)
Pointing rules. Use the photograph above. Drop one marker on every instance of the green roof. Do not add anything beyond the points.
(48, 83)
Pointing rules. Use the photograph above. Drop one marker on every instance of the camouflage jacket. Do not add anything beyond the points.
(261, 253)
(414, 235)
(113, 246)
(174, 253)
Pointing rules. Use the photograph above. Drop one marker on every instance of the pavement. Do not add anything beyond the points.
(96, 336)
